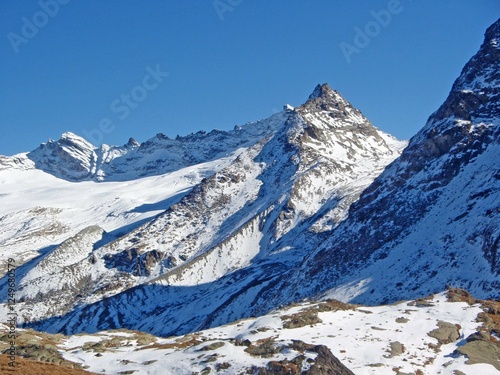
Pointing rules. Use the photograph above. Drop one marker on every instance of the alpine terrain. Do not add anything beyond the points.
(299, 224)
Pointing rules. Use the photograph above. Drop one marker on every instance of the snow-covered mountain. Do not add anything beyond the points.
(276, 200)
(39, 211)
(41, 205)
(74, 159)
(432, 217)
(175, 236)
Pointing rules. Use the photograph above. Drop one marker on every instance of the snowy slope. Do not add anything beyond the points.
(423, 335)
(72, 158)
(39, 211)
(273, 203)
(428, 221)
(431, 218)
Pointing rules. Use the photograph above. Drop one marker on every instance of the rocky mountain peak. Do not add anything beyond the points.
(326, 105)
(443, 188)
(476, 93)
(321, 90)
(470, 113)
(73, 140)
(71, 157)
(330, 123)
(491, 45)
(132, 143)
(325, 98)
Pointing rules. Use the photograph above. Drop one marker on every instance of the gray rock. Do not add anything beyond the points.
(481, 352)
(396, 348)
(446, 333)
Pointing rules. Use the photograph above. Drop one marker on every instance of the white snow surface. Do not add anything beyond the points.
(38, 210)
(192, 226)
(360, 338)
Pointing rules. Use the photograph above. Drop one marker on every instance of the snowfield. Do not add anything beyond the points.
(243, 250)
(367, 340)
(38, 210)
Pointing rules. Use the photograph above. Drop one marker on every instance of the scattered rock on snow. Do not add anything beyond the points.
(446, 332)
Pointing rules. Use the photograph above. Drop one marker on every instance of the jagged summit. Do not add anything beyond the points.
(132, 143)
(476, 93)
(321, 90)
(485, 63)
(71, 157)
(324, 97)
(433, 214)
(326, 104)
(293, 180)
(75, 159)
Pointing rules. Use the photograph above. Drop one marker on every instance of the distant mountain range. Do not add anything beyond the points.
(171, 236)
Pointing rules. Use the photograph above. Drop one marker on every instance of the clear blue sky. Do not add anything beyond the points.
(226, 67)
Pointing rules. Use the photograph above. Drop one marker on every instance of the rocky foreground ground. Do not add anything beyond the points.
(448, 333)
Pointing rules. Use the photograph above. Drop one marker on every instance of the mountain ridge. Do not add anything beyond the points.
(465, 127)
(75, 159)
(427, 220)
(275, 199)
(324, 206)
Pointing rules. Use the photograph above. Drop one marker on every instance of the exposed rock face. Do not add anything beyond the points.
(262, 213)
(71, 157)
(327, 364)
(324, 363)
(482, 346)
(74, 159)
(431, 215)
(446, 333)
(134, 262)
(396, 349)
(479, 351)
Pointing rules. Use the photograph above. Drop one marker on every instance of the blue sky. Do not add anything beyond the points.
(91, 64)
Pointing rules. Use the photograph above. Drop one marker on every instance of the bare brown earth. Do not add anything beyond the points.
(28, 367)
(490, 317)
